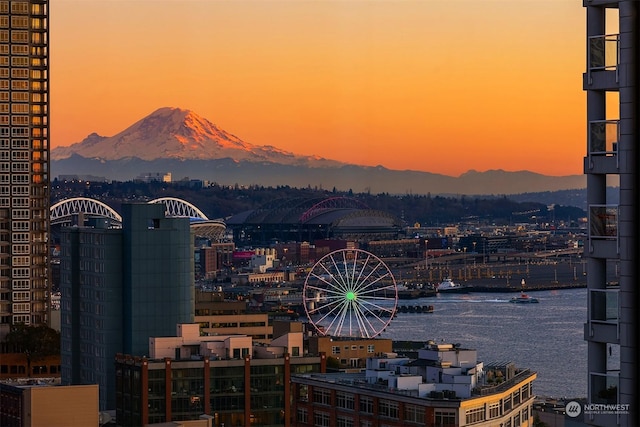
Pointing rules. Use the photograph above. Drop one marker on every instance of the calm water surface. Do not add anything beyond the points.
(545, 337)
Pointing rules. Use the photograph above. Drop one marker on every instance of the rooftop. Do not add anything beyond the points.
(441, 371)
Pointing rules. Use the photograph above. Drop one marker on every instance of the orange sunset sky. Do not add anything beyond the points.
(438, 86)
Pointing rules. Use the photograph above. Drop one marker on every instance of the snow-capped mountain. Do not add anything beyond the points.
(188, 146)
(174, 133)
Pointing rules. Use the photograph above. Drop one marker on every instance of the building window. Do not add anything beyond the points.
(366, 405)
(321, 396)
(494, 410)
(22, 318)
(343, 421)
(371, 348)
(335, 349)
(21, 307)
(303, 393)
(414, 414)
(321, 419)
(516, 397)
(506, 404)
(525, 392)
(20, 284)
(21, 7)
(344, 400)
(444, 418)
(475, 415)
(21, 296)
(388, 408)
(303, 416)
(20, 62)
(603, 221)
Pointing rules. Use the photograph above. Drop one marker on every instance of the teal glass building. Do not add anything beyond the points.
(119, 287)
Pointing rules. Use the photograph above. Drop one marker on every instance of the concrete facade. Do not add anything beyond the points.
(49, 405)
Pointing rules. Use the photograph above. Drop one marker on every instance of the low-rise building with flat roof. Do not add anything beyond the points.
(444, 386)
(36, 403)
(230, 378)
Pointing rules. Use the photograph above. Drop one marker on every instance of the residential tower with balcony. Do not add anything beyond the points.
(613, 103)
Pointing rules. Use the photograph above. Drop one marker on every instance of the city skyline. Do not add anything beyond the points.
(451, 86)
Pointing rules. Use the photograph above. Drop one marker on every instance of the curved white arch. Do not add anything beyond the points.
(66, 208)
(179, 207)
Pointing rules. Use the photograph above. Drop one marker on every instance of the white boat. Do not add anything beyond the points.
(449, 286)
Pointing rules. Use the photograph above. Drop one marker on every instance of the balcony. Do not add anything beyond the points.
(604, 305)
(603, 147)
(603, 231)
(603, 316)
(603, 58)
(603, 388)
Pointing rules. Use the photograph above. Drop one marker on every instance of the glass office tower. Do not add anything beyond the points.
(24, 163)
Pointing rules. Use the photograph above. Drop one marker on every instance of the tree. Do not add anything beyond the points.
(35, 342)
(333, 363)
(538, 423)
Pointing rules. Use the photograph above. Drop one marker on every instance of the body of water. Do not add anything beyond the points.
(545, 337)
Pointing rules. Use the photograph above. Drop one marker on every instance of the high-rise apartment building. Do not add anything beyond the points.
(613, 104)
(24, 163)
(119, 287)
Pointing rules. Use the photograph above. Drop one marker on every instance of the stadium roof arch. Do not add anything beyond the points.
(63, 211)
(178, 207)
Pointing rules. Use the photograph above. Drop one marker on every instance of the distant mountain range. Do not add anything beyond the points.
(189, 146)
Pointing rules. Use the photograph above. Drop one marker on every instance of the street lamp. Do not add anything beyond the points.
(465, 263)
(426, 255)
(474, 255)
(484, 251)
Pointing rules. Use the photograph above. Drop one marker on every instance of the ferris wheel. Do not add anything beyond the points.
(350, 292)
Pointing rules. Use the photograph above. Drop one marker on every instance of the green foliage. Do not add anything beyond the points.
(333, 363)
(218, 201)
(36, 342)
(538, 423)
